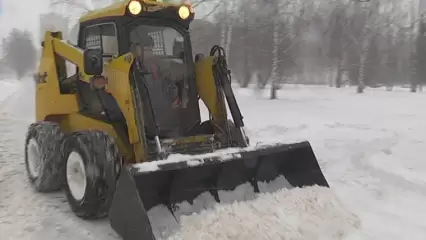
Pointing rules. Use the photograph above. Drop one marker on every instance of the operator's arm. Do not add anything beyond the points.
(181, 84)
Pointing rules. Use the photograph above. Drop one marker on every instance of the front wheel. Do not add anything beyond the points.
(92, 168)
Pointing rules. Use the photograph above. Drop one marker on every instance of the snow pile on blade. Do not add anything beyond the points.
(298, 213)
(198, 159)
(192, 160)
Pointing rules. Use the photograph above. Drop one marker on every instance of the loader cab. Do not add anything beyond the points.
(165, 71)
(166, 81)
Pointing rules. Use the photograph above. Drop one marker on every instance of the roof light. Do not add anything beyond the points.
(135, 7)
(184, 12)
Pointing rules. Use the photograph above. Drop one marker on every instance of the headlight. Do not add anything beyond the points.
(135, 7)
(184, 12)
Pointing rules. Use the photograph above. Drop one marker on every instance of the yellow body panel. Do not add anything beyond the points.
(116, 9)
(49, 101)
(119, 9)
(119, 86)
(206, 88)
(117, 72)
(70, 53)
(76, 122)
(51, 105)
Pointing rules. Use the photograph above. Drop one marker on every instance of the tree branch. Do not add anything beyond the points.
(72, 3)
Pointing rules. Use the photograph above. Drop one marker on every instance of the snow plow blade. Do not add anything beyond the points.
(139, 189)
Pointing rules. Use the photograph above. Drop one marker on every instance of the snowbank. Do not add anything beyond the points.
(7, 88)
(20, 102)
(370, 148)
(308, 213)
(278, 212)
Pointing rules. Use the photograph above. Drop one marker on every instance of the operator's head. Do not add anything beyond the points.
(148, 45)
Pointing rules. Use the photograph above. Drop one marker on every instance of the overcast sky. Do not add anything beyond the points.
(22, 14)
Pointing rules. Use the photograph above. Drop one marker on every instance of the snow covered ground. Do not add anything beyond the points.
(370, 148)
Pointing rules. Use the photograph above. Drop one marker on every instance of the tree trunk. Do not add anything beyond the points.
(362, 60)
(275, 48)
(413, 75)
(226, 28)
(223, 27)
(339, 71)
(360, 86)
(413, 51)
(228, 36)
(330, 76)
(246, 74)
(273, 92)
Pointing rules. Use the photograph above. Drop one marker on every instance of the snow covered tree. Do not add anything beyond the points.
(371, 63)
(338, 22)
(299, 41)
(275, 79)
(420, 55)
(19, 52)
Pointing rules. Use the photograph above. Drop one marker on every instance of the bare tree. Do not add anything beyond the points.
(20, 53)
(305, 41)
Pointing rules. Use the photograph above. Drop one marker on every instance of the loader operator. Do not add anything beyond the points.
(149, 64)
(164, 90)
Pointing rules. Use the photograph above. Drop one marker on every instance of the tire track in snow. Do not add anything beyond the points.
(10, 97)
(378, 145)
(20, 105)
(359, 159)
(382, 144)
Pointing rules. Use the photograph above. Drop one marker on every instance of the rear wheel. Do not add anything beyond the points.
(43, 158)
(92, 168)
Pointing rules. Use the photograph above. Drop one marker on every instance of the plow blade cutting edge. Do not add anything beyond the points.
(172, 183)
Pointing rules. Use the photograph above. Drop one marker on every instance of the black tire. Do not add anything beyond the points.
(102, 164)
(43, 144)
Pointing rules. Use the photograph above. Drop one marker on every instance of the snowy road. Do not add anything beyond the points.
(370, 147)
(25, 214)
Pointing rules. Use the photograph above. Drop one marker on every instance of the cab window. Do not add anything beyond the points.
(104, 37)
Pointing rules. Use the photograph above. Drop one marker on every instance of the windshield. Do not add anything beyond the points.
(164, 42)
(159, 61)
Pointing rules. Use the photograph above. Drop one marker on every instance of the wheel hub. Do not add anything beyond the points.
(34, 158)
(76, 176)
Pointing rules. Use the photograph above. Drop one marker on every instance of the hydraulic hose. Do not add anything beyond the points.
(222, 77)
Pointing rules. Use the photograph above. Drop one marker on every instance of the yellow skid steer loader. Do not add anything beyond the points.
(109, 134)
